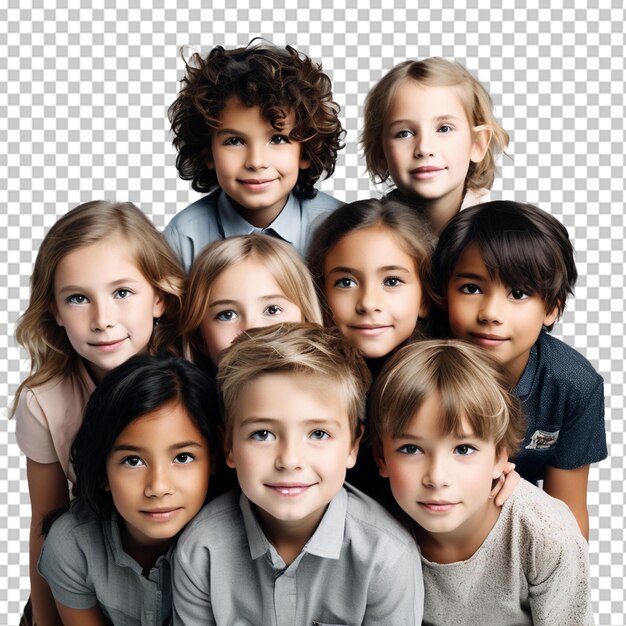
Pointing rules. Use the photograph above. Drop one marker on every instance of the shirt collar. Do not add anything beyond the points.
(286, 226)
(326, 541)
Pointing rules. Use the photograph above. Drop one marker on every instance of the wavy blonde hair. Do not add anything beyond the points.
(435, 72)
(46, 342)
(279, 257)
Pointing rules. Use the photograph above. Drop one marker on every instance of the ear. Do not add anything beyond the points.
(379, 457)
(424, 308)
(354, 450)
(480, 144)
(305, 164)
(106, 485)
(158, 308)
(228, 456)
(551, 317)
(210, 164)
(501, 460)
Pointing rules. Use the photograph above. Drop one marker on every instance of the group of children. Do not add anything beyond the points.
(236, 350)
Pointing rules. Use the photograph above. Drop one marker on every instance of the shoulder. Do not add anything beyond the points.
(544, 524)
(321, 204)
(369, 521)
(218, 522)
(196, 212)
(563, 362)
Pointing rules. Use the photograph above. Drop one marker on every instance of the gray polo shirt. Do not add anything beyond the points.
(85, 565)
(214, 217)
(359, 567)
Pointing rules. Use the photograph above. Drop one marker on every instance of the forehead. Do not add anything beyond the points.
(235, 113)
(248, 278)
(412, 98)
(291, 398)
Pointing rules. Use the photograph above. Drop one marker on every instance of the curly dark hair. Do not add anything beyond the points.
(277, 81)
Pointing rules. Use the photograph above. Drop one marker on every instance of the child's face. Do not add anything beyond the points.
(428, 142)
(256, 165)
(373, 289)
(158, 474)
(441, 481)
(245, 295)
(291, 444)
(105, 304)
(500, 318)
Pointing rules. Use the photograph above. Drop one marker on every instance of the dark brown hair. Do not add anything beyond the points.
(277, 81)
(521, 246)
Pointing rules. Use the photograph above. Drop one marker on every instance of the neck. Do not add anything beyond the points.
(442, 210)
(145, 554)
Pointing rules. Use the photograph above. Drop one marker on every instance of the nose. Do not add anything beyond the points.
(289, 455)
(102, 315)
(368, 298)
(490, 311)
(436, 474)
(158, 482)
(256, 156)
(423, 145)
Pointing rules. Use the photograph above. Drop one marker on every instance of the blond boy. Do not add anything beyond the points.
(297, 546)
(444, 424)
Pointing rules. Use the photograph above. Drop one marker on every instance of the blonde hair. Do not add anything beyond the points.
(297, 348)
(434, 72)
(470, 384)
(410, 231)
(280, 259)
(47, 344)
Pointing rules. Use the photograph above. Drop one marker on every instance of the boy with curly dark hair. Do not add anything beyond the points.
(256, 127)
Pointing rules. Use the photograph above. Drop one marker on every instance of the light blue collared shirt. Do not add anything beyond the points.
(214, 217)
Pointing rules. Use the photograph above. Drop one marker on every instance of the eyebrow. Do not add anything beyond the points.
(273, 296)
(113, 283)
(247, 421)
(438, 120)
(353, 270)
(229, 131)
(127, 447)
(470, 275)
(414, 437)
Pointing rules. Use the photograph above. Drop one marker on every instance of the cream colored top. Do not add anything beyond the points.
(475, 196)
(48, 417)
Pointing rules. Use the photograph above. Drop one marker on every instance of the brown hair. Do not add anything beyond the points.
(300, 349)
(277, 81)
(435, 72)
(470, 383)
(279, 257)
(37, 331)
(407, 227)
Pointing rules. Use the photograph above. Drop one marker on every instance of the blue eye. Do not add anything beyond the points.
(345, 283)
(262, 435)
(393, 281)
(280, 139)
(409, 449)
(122, 293)
(76, 298)
(445, 128)
(403, 134)
(226, 316)
(465, 449)
(320, 435)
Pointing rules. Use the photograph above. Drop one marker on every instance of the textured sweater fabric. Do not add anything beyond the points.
(533, 568)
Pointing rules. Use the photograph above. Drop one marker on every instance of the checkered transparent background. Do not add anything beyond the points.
(83, 106)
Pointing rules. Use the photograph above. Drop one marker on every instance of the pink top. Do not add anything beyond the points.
(48, 417)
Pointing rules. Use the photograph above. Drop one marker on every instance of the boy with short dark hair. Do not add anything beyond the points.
(443, 423)
(297, 546)
(256, 127)
(502, 272)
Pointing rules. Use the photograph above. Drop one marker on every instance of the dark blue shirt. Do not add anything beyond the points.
(563, 399)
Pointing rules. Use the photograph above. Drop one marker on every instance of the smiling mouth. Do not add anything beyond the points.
(108, 346)
(487, 340)
(289, 490)
(370, 330)
(256, 184)
(438, 507)
(162, 515)
(425, 172)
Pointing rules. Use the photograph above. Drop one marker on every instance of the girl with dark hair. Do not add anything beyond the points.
(142, 459)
